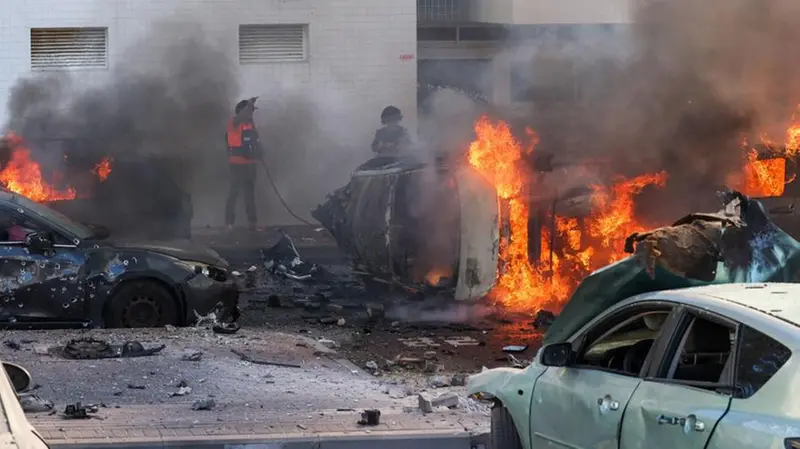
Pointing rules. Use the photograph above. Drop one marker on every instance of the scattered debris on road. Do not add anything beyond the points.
(204, 404)
(258, 361)
(192, 355)
(182, 391)
(515, 348)
(428, 403)
(79, 411)
(93, 349)
(32, 403)
(226, 328)
(283, 259)
(370, 418)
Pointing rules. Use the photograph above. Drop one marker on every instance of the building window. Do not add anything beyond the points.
(69, 48)
(440, 10)
(260, 44)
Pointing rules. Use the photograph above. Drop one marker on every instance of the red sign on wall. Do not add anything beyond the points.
(406, 57)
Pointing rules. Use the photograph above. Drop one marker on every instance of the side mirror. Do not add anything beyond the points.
(20, 377)
(40, 243)
(558, 354)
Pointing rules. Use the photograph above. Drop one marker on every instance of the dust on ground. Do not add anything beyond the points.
(314, 378)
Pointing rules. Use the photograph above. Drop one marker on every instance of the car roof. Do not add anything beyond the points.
(779, 300)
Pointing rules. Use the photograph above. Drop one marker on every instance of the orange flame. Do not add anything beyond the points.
(23, 175)
(435, 276)
(761, 178)
(584, 244)
(793, 137)
(103, 169)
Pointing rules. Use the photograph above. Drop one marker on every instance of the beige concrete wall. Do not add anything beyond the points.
(534, 12)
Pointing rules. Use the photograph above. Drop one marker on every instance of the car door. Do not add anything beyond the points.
(39, 285)
(582, 405)
(688, 390)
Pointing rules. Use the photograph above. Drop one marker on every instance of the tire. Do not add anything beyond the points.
(142, 304)
(504, 432)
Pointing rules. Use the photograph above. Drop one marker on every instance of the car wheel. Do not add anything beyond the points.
(504, 432)
(142, 304)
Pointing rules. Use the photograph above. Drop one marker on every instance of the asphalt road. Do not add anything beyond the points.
(313, 397)
(465, 337)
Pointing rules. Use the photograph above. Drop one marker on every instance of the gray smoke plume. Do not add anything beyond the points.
(171, 102)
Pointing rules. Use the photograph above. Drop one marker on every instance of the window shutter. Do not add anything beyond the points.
(260, 44)
(68, 48)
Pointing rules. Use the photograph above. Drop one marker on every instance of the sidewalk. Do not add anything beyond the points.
(162, 426)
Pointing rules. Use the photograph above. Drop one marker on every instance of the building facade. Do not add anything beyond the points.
(364, 52)
(496, 40)
(325, 68)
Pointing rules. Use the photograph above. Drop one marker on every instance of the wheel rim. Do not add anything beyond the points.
(142, 311)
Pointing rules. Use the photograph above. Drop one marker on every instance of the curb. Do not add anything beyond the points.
(419, 440)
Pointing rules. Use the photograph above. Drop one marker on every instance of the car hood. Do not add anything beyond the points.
(739, 244)
(180, 249)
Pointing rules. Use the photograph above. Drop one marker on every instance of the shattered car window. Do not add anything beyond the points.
(78, 230)
(625, 347)
(760, 357)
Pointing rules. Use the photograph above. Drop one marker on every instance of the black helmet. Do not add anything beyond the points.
(240, 106)
(391, 113)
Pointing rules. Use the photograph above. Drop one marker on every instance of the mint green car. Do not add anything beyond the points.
(704, 367)
(659, 360)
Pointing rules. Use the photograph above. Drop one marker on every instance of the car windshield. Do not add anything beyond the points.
(78, 230)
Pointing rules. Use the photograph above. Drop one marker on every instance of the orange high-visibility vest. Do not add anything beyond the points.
(242, 139)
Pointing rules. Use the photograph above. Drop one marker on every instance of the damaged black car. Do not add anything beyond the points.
(55, 272)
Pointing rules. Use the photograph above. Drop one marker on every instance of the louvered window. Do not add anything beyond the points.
(259, 44)
(69, 48)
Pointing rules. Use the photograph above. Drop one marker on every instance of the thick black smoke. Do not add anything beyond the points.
(166, 104)
(676, 90)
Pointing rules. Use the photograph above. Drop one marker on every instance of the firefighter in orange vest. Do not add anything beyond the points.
(244, 153)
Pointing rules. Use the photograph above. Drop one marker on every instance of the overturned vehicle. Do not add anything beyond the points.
(420, 226)
(439, 228)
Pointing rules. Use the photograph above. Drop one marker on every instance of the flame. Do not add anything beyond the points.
(23, 175)
(103, 169)
(581, 244)
(793, 137)
(435, 276)
(762, 178)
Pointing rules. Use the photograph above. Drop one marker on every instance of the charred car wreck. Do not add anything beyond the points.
(56, 271)
(738, 244)
(423, 227)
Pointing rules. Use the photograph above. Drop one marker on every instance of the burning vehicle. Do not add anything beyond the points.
(475, 227)
(511, 224)
(132, 196)
(56, 271)
(680, 334)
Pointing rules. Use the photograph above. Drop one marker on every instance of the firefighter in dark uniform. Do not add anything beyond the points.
(244, 153)
(392, 139)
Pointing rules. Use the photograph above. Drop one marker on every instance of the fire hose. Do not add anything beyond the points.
(280, 198)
